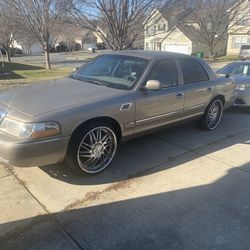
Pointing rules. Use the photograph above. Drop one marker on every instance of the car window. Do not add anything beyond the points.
(165, 71)
(236, 69)
(192, 71)
(227, 69)
(245, 47)
(115, 71)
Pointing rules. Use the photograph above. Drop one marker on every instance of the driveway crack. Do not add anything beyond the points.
(49, 215)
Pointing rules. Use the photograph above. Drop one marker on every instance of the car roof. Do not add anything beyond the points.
(149, 55)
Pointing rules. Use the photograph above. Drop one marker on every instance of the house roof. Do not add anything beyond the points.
(156, 39)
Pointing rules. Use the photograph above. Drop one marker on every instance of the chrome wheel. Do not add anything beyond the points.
(214, 114)
(97, 149)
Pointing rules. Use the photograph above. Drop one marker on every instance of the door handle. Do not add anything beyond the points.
(209, 89)
(179, 95)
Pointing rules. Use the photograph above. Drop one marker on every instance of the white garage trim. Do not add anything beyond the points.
(178, 48)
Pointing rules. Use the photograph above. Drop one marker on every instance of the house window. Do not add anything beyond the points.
(161, 27)
(239, 41)
(150, 30)
(209, 26)
(243, 19)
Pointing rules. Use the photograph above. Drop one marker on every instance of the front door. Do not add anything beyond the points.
(159, 107)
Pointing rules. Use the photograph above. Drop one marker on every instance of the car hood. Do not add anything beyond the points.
(41, 98)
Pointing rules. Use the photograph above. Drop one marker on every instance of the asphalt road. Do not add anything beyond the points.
(180, 188)
(58, 60)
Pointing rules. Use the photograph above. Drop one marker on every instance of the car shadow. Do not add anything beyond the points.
(161, 150)
(210, 216)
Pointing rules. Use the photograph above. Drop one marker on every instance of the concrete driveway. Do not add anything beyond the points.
(180, 188)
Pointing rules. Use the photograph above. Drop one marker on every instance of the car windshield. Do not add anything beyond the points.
(114, 71)
(236, 69)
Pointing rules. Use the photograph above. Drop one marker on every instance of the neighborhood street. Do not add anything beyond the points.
(180, 188)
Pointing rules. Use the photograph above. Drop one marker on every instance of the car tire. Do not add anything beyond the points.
(212, 116)
(92, 148)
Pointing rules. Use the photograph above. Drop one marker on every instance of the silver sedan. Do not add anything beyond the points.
(240, 71)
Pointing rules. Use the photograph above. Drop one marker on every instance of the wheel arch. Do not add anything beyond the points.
(100, 119)
(218, 96)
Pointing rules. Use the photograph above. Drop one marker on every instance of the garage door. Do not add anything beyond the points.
(184, 49)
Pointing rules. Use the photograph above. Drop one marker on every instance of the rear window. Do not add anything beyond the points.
(192, 71)
(245, 47)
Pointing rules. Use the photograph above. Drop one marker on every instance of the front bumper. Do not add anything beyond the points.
(243, 98)
(32, 153)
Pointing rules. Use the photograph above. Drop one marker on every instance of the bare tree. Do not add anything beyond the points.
(8, 28)
(70, 32)
(42, 19)
(117, 22)
(25, 38)
(210, 21)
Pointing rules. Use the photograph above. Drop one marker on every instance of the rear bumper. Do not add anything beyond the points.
(39, 153)
(245, 57)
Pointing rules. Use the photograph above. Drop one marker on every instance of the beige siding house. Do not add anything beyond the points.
(160, 36)
(239, 34)
(164, 34)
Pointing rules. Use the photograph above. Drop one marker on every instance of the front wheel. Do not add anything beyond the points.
(212, 115)
(92, 148)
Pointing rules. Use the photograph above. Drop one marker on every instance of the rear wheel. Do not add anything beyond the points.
(92, 148)
(212, 116)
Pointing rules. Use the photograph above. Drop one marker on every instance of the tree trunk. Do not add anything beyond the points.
(8, 55)
(47, 59)
(211, 54)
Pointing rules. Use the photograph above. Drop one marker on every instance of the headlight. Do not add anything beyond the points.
(29, 130)
(241, 87)
(2, 115)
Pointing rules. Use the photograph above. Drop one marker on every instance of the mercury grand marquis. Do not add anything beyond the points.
(81, 119)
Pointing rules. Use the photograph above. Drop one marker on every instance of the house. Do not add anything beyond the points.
(80, 38)
(88, 39)
(239, 31)
(163, 32)
(28, 47)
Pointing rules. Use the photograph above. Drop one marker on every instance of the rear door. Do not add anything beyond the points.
(197, 86)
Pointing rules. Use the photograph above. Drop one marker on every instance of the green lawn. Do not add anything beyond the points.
(21, 74)
(229, 58)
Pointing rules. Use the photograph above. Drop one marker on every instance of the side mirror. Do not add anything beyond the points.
(75, 69)
(227, 75)
(152, 85)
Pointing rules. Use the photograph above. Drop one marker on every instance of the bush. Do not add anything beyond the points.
(101, 46)
(61, 47)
